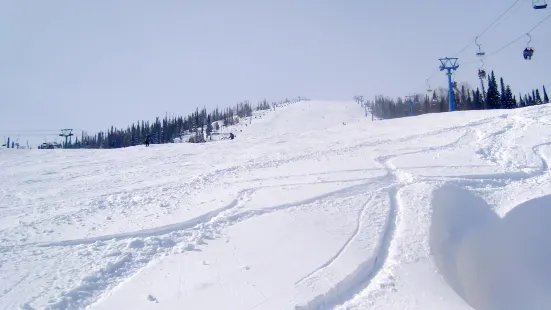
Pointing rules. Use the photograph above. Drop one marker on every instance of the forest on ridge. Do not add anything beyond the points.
(496, 96)
(198, 126)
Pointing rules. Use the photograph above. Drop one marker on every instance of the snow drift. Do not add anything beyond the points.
(493, 263)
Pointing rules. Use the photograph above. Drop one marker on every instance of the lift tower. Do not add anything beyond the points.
(449, 64)
(412, 100)
(66, 133)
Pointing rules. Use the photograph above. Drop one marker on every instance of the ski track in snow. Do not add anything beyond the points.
(164, 239)
(492, 141)
(335, 297)
(365, 272)
(131, 251)
(346, 244)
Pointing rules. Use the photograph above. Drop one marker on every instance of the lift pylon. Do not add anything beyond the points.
(449, 64)
(66, 133)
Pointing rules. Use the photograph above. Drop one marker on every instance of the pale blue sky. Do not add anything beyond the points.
(91, 64)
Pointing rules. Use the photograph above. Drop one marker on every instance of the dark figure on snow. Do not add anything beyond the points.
(147, 140)
(231, 135)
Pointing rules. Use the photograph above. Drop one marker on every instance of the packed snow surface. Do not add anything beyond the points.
(312, 206)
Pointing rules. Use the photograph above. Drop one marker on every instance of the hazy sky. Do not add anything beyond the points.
(91, 64)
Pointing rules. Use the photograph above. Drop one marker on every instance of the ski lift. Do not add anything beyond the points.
(480, 53)
(539, 4)
(528, 51)
(481, 71)
(429, 89)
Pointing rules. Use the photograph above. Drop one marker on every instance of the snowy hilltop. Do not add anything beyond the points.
(312, 206)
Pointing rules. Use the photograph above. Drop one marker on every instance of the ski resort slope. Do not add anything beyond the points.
(312, 206)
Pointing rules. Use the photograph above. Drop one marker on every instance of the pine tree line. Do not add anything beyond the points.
(166, 130)
(496, 97)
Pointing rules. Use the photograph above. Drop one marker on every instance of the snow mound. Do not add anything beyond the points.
(493, 263)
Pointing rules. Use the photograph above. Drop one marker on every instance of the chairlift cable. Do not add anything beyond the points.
(500, 17)
(479, 35)
(487, 28)
(512, 42)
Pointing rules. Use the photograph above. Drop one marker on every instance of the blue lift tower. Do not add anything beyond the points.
(412, 100)
(449, 64)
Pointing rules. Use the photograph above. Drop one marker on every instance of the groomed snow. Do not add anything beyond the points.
(312, 206)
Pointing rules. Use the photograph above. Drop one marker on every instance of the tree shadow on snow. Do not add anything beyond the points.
(491, 262)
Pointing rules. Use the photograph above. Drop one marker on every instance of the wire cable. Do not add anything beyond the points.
(27, 130)
(512, 42)
(503, 47)
(500, 17)
(487, 28)
(481, 34)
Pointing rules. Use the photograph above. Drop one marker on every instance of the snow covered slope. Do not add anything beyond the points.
(312, 206)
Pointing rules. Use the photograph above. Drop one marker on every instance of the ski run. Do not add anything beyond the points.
(312, 206)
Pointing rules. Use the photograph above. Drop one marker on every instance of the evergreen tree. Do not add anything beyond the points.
(528, 100)
(538, 97)
(493, 96)
(545, 97)
(209, 126)
(521, 102)
(462, 104)
(503, 97)
(509, 101)
(478, 100)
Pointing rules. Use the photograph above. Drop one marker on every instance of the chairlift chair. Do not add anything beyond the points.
(528, 51)
(480, 52)
(539, 4)
(481, 74)
(481, 71)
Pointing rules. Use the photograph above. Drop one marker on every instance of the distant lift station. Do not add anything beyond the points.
(539, 4)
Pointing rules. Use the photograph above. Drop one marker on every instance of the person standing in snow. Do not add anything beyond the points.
(147, 140)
